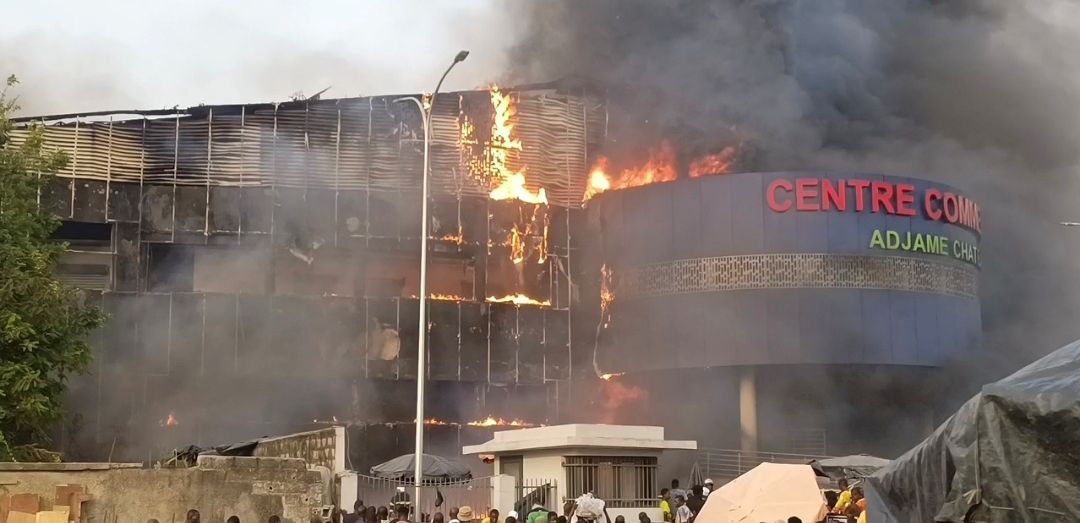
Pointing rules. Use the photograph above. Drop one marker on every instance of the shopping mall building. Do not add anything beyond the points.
(260, 266)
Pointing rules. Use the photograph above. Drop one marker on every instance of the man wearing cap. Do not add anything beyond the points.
(709, 487)
(535, 512)
(465, 514)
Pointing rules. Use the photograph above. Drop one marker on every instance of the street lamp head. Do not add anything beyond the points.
(461, 56)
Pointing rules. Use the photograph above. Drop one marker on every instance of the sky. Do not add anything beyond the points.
(74, 56)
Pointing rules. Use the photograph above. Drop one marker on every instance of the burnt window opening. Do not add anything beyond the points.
(170, 268)
(87, 263)
(77, 233)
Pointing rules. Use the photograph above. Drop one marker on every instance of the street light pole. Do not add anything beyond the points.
(421, 352)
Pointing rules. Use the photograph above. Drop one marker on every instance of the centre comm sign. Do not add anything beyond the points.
(883, 197)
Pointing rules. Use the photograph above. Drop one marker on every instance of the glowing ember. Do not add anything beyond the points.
(499, 422)
(719, 163)
(542, 249)
(511, 183)
(454, 238)
(170, 421)
(608, 376)
(517, 245)
(518, 299)
(606, 296)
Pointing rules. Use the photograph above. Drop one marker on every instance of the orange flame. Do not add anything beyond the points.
(500, 422)
(598, 179)
(660, 167)
(608, 376)
(518, 299)
(606, 296)
(511, 182)
(719, 163)
(489, 421)
(442, 297)
(457, 238)
(170, 421)
(517, 245)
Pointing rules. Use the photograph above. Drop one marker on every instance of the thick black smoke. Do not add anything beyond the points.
(980, 94)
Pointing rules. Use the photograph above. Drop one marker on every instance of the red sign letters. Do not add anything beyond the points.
(840, 195)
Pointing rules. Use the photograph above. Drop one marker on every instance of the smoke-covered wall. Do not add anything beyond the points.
(983, 95)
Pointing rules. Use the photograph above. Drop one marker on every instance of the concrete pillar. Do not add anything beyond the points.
(503, 493)
(348, 490)
(748, 422)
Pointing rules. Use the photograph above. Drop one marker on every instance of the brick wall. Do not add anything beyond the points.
(325, 447)
(218, 487)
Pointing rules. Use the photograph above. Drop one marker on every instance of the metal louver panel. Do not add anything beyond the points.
(342, 144)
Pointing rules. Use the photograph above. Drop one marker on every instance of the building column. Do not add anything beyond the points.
(748, 422)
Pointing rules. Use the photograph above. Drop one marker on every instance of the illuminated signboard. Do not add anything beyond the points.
(898, 199)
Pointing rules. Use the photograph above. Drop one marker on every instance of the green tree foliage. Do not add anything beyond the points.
(43, 323)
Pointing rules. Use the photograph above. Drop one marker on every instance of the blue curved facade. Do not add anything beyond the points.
(705, 272)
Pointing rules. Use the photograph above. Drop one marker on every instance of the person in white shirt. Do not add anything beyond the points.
(682, 513)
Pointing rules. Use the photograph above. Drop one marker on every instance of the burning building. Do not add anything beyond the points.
(260, 265)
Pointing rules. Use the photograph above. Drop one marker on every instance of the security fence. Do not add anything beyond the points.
(435, 496)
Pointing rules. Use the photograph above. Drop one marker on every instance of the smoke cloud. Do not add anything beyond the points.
(982, 95)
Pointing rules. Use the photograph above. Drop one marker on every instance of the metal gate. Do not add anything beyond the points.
(435, 496)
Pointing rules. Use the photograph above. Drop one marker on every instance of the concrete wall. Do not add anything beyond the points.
(324, 447)
(218, 487)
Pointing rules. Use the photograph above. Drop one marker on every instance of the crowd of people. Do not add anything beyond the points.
(849, 502)
(679, 506)
(676, 506)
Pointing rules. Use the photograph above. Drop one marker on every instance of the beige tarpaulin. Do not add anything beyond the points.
(769, 492)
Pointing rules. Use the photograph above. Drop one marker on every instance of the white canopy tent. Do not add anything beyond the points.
(768, 492)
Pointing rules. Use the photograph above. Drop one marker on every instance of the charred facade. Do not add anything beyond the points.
(259, 264)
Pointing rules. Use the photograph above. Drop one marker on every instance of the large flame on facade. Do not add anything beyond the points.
(719, 163)
(511, 182)
(661, 166)
(492, 162)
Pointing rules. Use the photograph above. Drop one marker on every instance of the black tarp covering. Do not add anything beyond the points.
(434, 467)
(850, 467)
(1011, 453)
